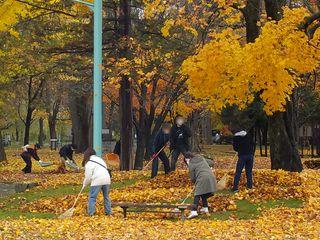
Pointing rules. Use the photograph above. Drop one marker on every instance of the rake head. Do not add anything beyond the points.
(222, 184)
(67, 214)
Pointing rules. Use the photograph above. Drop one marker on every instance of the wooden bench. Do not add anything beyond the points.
(153, 208)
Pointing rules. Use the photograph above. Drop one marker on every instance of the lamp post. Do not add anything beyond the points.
(96, 7)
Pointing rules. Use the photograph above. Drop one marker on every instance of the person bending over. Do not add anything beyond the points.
(29, 152)
(96, 173)
(66, 157)
(205, 182)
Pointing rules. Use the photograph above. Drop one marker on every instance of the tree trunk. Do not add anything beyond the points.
(283, 125)
(3, 156)
(206, 132)
(125, 92)
(52, 127)
(41, 132)
(251, 14)
(126, 124)
(283, 141)
(265, 140)
(28, 122)
(17, 132)
(140, 151)
(194, 127)
(110, 125)
(141, 129)
(80, 118)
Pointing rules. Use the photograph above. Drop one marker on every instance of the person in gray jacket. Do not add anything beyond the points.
(205, 182)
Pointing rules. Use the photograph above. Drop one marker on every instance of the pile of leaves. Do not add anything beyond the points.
(269, 185)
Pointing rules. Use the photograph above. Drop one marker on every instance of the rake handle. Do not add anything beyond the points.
(188, 195)
(75, 202)
(154, 156)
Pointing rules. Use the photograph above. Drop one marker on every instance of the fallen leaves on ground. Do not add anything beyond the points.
(269, 185)
(278, 223)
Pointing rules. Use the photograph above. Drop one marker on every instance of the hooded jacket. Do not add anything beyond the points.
(243, 143)
(96, 174)
(201, 174)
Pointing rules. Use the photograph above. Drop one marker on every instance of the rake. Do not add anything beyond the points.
(189, 194)
(69, 212)
(222, 184)
(154, 156)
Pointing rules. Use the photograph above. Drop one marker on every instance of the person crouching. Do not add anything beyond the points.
(96, 173)
(205, 182)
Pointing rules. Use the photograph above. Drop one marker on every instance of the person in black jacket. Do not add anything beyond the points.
(243, 144)
(161, 140)
(66, 154)
(179, 140)
(28, 153)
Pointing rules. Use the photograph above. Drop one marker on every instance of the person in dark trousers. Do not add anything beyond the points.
(205, 182)
(162, 138)
(27, 154)
(117, 148)
(66, 154)
(179, 140)
(243, 144)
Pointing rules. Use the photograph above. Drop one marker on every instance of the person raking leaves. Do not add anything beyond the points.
(29, 152)
(179, 140)
(66, 158)
(205, 182)
(161, 140)
(96, 173)
(243, 144)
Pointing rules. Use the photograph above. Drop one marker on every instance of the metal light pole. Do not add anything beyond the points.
(96, 7)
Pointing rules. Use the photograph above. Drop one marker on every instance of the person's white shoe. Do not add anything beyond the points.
(204, 210)
(193, 214)
(176, 210)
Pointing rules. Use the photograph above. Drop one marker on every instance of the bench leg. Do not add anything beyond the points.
(125, 212)
(183, 217)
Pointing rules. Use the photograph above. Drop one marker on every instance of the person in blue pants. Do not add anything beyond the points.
(98, 176)
(243, 144)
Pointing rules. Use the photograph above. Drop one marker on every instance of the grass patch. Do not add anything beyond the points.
(13, 202)
(247, 210)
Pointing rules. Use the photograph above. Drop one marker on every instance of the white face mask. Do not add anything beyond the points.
(180, 122)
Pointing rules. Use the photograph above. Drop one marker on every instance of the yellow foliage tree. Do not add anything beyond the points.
(225, 72)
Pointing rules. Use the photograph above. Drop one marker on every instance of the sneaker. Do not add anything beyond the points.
(176, 210)
(193, 214)
(204, 210)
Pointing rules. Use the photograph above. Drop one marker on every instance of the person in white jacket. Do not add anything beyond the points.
(96, 173)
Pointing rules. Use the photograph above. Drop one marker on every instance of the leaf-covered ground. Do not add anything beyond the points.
(281, 206)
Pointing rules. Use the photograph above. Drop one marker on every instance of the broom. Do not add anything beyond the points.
(69, 212)
(222, 184)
